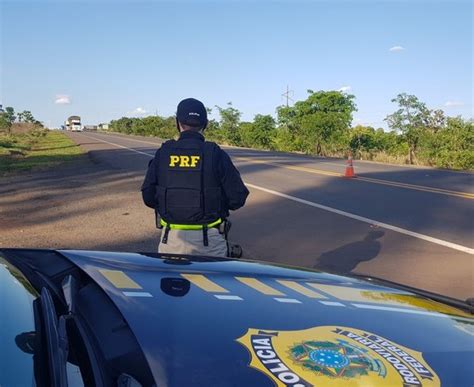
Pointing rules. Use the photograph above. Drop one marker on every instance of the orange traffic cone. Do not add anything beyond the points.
(349, 168)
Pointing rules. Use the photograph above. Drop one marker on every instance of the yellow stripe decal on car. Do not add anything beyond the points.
(204, 283)
(119, 279)
(259, 286)
(297, 287)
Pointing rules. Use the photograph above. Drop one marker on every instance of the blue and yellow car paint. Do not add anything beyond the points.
(283, 327)
(298, 292)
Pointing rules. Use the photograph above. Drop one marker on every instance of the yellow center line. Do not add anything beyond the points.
(119, 279)
(297, 287)
(204, 283)
(465, 195)
(259, 286)
(292, 167)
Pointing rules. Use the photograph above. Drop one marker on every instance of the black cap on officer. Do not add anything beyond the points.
(192, 112)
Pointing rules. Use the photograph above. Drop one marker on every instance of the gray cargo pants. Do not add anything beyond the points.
(190, 242)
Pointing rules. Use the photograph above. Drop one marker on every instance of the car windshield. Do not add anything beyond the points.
(17, 325)
(22, 355)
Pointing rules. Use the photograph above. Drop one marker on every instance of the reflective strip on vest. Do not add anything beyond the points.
(189, 226)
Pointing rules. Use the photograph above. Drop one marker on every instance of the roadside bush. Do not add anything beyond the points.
(283, 140)
(7, 141)
(320, 125)
(451, 146)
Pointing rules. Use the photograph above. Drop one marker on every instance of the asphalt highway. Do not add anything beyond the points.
(406, 224)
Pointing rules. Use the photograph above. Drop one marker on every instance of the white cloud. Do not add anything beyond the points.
(62, 100)
(396, 48)
(345, 89)
(139, 111)
(454, 104)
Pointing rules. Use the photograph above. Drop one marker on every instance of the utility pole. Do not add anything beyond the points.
(287, 94)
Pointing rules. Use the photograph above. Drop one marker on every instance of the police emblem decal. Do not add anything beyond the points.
(339, 359)
(335, 356)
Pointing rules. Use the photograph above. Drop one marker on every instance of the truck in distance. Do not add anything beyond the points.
(73, 123)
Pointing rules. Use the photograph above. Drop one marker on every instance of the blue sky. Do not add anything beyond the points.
(103, 59)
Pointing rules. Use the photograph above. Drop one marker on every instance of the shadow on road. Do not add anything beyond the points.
(344, 259)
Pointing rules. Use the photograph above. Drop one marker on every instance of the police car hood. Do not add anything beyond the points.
(213, 322)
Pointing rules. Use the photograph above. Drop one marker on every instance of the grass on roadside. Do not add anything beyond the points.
(37, 149)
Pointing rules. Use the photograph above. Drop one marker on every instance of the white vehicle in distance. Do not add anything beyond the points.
(73, 124)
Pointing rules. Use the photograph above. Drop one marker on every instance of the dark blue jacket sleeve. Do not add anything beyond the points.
(234, 188)
(150, 183)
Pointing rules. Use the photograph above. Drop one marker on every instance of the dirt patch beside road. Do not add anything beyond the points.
(78, 206)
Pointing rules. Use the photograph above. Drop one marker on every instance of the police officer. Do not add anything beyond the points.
(192, 184)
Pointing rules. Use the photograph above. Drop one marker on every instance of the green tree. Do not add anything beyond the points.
(10, 114)
(212, 123)
(284, 140)
(436, 120)
(450, 146)
(319, 123)
(287, 117)
(362, 139)
(5, 124)
(123, 125)
(26, 116)
(246, 134)
(162, 127)
(229, 123)
(169, 129)
(412, 120)
(259, 133)
(264, 130)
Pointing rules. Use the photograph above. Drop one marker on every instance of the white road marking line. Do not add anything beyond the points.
(229, 298)
(133, 139)
(331, 303)
(288, 300)
(137, 294)
(120, 146)
(400, 230)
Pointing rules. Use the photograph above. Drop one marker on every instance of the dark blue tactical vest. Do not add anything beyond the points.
(188, 191)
